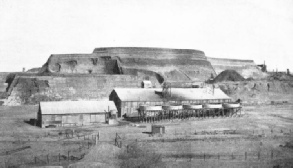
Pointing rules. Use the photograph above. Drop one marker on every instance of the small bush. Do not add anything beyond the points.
(137, 156)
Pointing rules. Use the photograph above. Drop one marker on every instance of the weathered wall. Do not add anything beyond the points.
(33, 89)
(63, 120)
(246, 68)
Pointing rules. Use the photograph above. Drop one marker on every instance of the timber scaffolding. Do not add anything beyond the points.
(150, 114)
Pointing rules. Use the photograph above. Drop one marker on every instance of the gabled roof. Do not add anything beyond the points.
(177, 94)
(76, 107)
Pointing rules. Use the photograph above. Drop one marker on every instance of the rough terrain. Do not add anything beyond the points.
(261, 137)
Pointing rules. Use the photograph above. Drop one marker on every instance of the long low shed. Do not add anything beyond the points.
(73, 113)
(128, 100)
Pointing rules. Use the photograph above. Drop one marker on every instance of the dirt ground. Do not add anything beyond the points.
(261, 137)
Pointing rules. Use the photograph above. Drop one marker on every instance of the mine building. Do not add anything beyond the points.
(74, 113)
(128, 100)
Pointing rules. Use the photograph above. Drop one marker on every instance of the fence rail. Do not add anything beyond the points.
(121, 141)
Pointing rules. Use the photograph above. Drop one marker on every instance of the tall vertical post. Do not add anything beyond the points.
(68, 156)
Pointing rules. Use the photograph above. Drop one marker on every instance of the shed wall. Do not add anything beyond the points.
(61, 120)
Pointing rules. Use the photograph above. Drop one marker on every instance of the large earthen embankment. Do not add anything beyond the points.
(246, 68)
(80, 63)
(259, 91)
(3, 84)
(172, 64)
(33, 89)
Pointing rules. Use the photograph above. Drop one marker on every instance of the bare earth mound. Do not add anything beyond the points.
(228, 75)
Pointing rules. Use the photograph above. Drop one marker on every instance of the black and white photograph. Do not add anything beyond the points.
(146, 84)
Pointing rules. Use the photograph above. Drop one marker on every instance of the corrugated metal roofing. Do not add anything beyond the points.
(178, 94)
(76, 107)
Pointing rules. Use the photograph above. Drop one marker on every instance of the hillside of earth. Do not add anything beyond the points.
(276, 88)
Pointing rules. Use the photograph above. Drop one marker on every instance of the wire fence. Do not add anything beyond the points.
(121, 141)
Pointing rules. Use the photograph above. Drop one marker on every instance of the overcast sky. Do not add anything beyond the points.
(31, 30)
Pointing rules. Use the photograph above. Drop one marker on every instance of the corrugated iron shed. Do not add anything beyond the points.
(177, 94)
(76, 107)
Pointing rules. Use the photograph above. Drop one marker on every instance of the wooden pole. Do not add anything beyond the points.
(48, 159)
(68, 156)
(240, 112)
